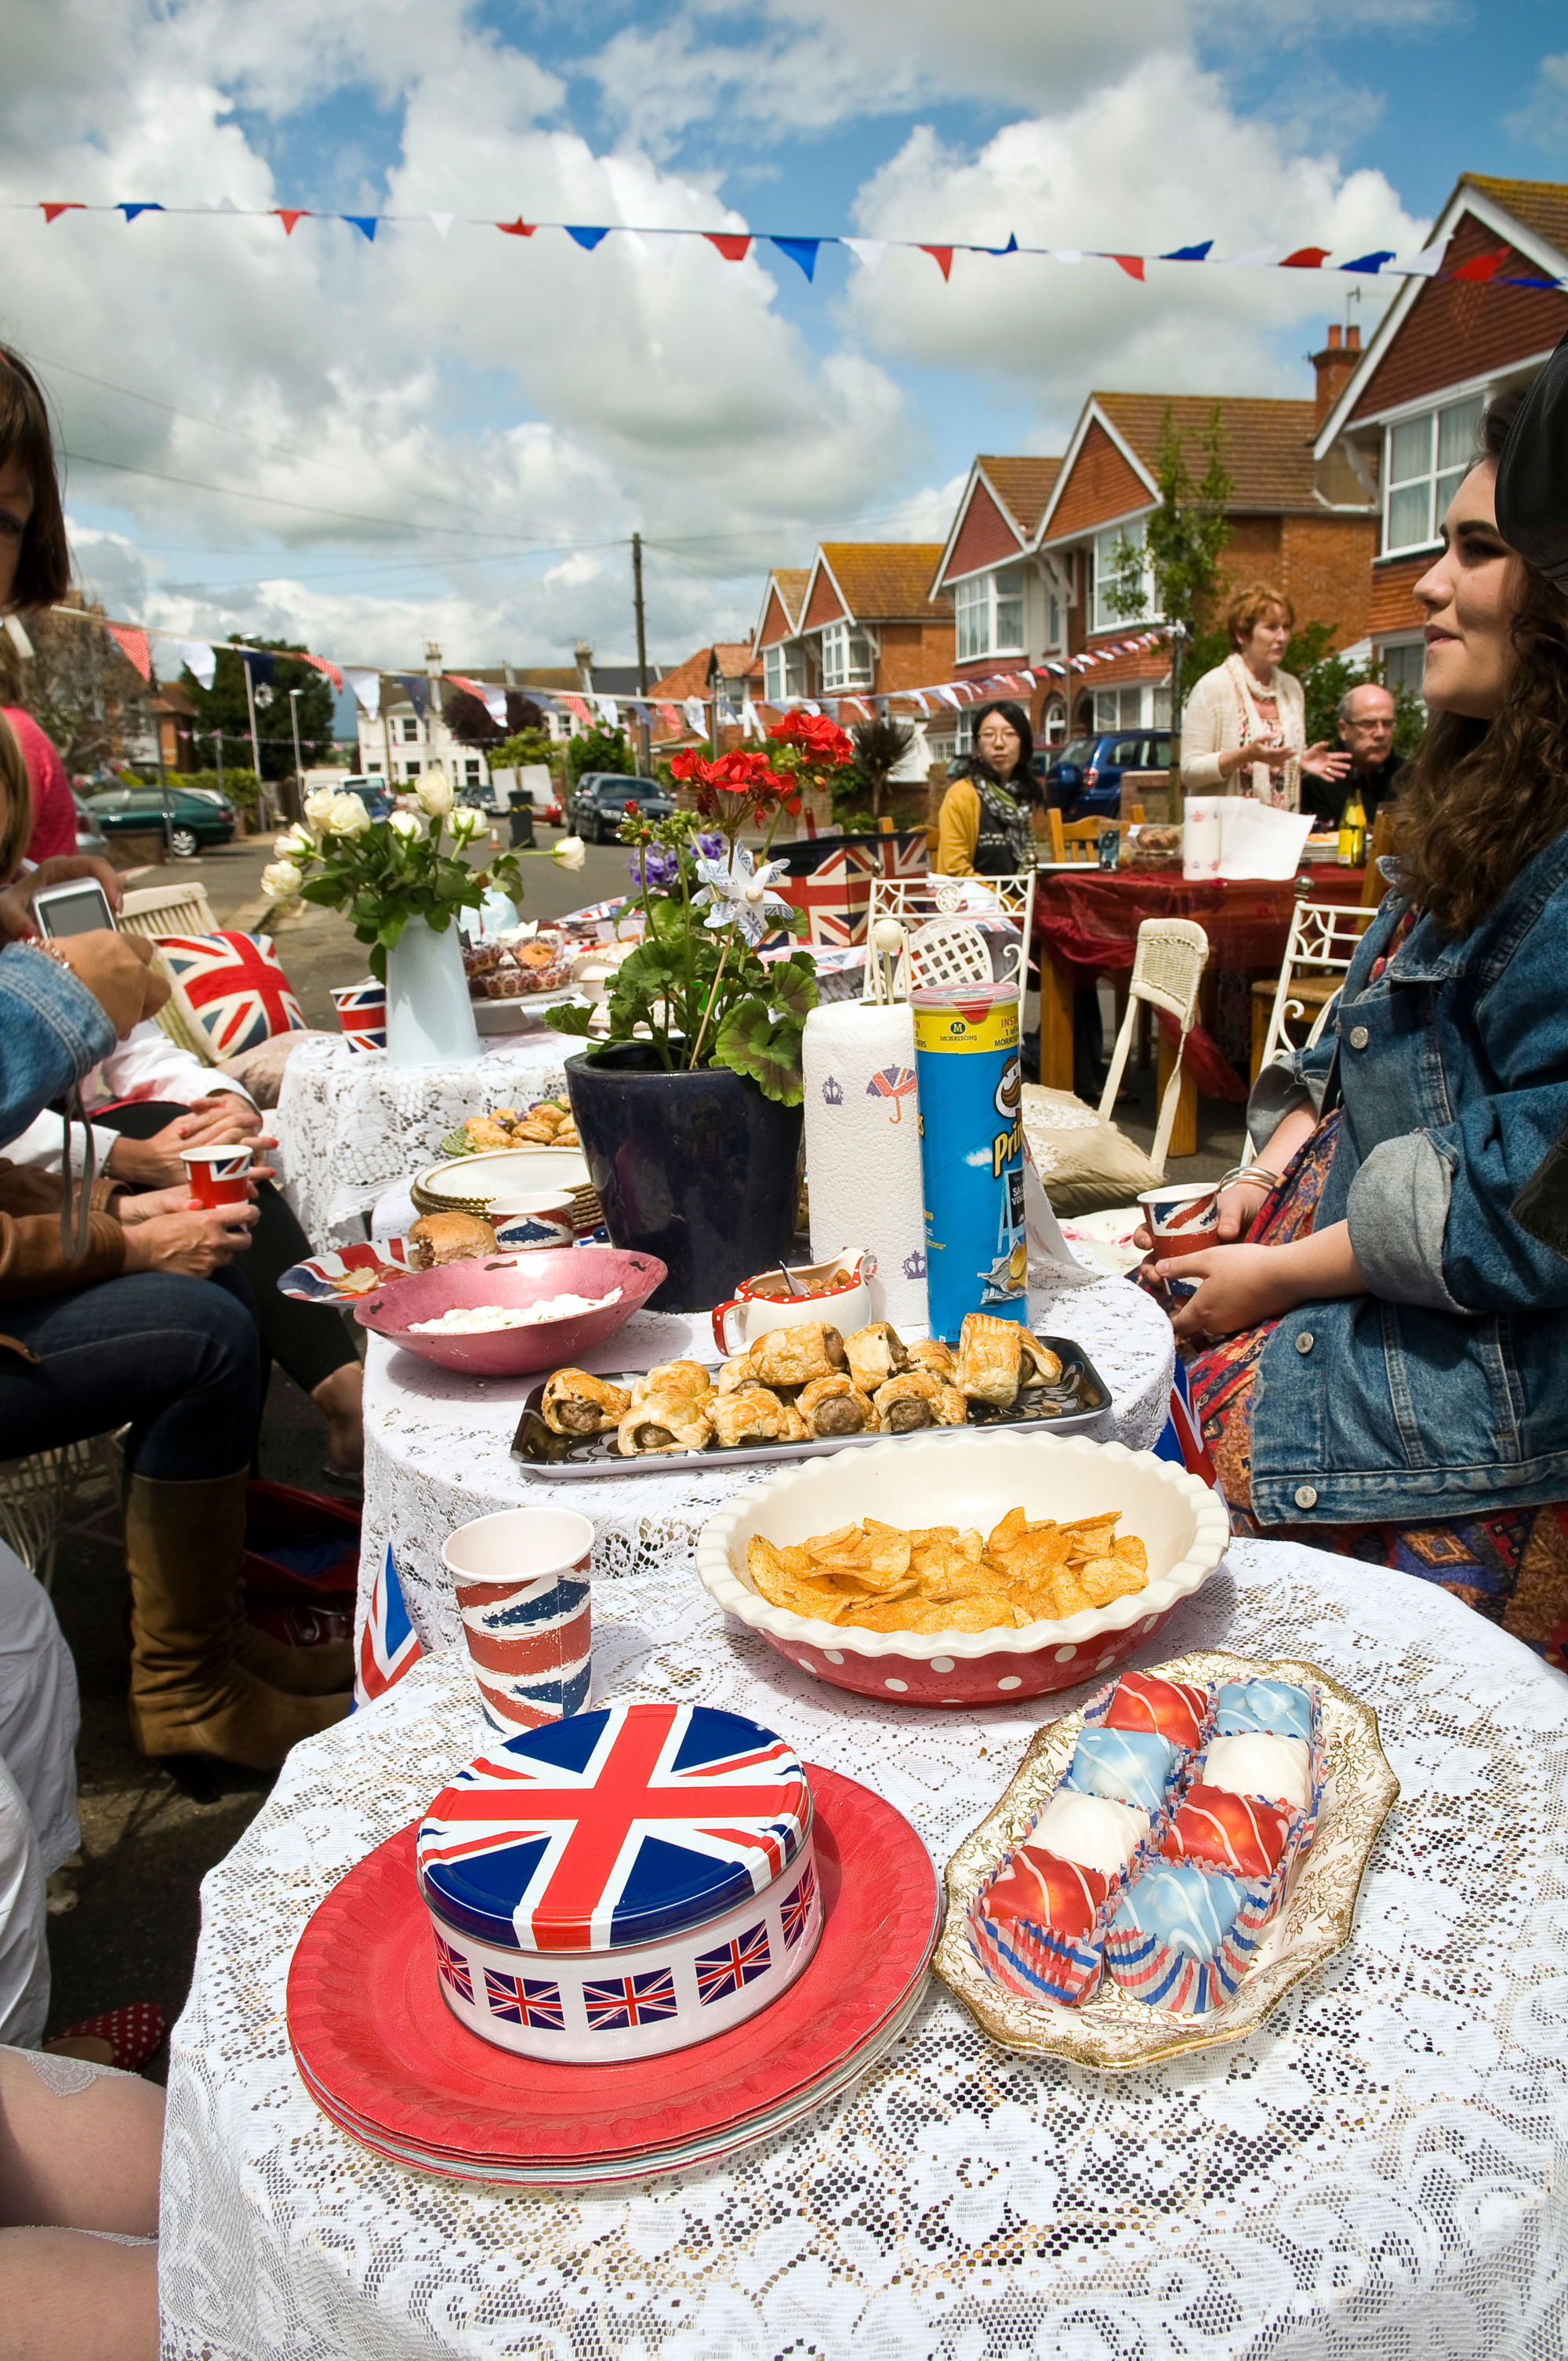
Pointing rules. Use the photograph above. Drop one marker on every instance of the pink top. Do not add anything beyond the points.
(54, 813)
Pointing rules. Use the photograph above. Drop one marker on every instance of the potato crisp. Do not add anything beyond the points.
(939, 1578)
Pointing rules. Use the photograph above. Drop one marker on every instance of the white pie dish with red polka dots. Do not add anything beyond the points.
(970, 1480)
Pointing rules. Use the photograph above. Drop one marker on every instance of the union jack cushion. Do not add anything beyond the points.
(836, 896)
(234, 988)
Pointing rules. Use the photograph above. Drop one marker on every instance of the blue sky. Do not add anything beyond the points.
(496, 415)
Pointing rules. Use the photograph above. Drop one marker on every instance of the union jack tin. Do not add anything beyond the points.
(622, 1884)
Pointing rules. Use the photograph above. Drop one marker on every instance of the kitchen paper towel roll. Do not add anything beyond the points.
(862, 1149)
(1201, 836)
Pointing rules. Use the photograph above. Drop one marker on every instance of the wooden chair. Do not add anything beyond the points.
(1381, 841)
(168, 910)
(1321, 945)
(1078, 840)
(1168, 970)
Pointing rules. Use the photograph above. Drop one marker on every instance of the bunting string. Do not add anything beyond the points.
(657, 246)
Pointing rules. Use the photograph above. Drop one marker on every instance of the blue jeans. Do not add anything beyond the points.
(176, 1357)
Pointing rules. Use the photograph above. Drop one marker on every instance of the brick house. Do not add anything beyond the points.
(728, 669)
(1403, 426)
(861, 621)
(1043, 585)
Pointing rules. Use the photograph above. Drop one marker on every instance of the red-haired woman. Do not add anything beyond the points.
(1243, 728)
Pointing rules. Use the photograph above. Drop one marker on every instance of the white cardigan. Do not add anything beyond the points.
(1212, 721)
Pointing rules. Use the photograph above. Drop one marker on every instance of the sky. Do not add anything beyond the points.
(370, 446)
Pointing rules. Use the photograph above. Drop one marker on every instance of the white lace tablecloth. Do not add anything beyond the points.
(1380, 2172)
(349, 1125)
(438, 1446)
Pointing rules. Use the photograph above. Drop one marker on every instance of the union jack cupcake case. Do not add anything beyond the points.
(622, 1884)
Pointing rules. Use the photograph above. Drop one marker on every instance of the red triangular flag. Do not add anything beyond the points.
(1483, 266)
(1133, 264)
(733, 248)
(518, 228)
(134, 644)
(942, 256)
(290, 214)
(53, 213)
(1306, 258)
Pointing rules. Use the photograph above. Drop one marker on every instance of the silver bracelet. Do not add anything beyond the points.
(1251, 1172)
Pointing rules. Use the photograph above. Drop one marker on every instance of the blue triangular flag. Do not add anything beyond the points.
(1190, 253)
(130, 211)
(586, 238)
(262, 662)
(1011, 246)
(418, 687)
(800, 249)
(1369, 261)
(367, 222)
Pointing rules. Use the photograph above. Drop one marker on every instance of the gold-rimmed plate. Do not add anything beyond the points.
(1112, 2030)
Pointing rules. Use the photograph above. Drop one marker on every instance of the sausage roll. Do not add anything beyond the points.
(835, 1405)
(990, 1359)
(792, 1357)
(741, 1371)
(875, 1354)
(665, 1421)
(576, 1404)
(749, 1414)
(688, 1378)
(930, 1353)
(917, 1399)
(1046, 1366)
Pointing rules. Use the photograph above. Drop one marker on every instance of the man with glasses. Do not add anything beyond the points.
(1366, 729)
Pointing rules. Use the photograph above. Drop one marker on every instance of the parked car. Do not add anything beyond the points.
(371, 790)
(198, 815)
(90, 837)
(599, 803)
(1084, 778)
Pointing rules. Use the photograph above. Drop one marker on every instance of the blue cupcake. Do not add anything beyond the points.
(1128, 1766)
(1276, 1708)
(1187, 1908)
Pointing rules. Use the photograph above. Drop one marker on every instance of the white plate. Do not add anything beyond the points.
(505, 1171)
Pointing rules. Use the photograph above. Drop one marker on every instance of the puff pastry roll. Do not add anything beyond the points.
(1046, 1366)
(578, 1404)
(930, 1353)
(836, 1405)
(875, 1354)
(990, 1359)
(917, 1399)
(688, 1377)
(741, 1371)
(792, 1357)
(665, 1421)
(749, 1414)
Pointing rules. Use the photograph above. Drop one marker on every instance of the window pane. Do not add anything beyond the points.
(1162, 716)
(1009, 620)
(1132, 708)
(1456, 428)
(1009, 580)
(1407, 526)
(1410, 450)
(795, 673)
(1125, 753)
(833, 656)
(1446, 488)
(1105, 708)
(859, 670)
(1405, 667)
(972, 617)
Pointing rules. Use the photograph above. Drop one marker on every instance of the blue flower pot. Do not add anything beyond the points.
(700, 1169)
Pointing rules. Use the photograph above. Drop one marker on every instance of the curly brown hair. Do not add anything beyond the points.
(1246, 607)
(43, 576)
(16, 801)
(1480, 800)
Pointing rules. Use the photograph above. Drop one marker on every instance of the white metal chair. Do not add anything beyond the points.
(35, 1493)
(1168, 968)
(921, 904)
(1323, 940)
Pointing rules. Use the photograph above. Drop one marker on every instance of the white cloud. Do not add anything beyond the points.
(1543, 119)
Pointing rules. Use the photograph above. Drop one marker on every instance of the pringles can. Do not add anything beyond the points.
(971, 1153)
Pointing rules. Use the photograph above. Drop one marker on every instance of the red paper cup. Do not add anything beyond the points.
(1182, 1220)
(522, 1581)
(218, 1176)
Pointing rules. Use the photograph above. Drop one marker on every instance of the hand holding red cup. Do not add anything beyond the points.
(219, 1176)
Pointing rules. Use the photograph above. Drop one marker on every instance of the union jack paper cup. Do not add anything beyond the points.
(218, 1176)
(521, 1580)
(622, 1884)
(362, 1015)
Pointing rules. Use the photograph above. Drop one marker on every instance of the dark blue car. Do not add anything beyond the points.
(1084, 778)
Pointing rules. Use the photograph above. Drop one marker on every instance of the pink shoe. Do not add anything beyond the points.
(133, 2033)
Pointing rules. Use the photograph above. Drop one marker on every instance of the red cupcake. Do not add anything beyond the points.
(1172, 1709)
(1235, 1833)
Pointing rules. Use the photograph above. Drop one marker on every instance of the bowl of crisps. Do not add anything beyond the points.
(1001, 1567)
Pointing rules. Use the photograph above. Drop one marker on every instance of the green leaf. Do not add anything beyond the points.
(792, 984)
(749, 1043)
(569, 1020)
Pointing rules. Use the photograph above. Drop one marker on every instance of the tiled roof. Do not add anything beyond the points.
(790, 582)
(1540, 205)
(882, 580)
(1022, 484)
(690, 679)
(1269, 444)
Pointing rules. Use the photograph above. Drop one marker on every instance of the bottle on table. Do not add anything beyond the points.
(1353, 830)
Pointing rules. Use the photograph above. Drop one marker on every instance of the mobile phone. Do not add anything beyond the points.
(79, 908)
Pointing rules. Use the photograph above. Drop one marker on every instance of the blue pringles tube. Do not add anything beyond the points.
(971, 1153)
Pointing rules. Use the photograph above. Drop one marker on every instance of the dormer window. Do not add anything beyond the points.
(783, 672)
(1428, 459)
(846, 659)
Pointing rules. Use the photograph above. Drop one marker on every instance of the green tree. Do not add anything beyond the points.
(1182, 544)
(525, 746)
(600, 750)
(223, 708)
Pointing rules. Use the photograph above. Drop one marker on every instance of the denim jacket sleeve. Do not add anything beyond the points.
(1298, 1079)
(51, 1032)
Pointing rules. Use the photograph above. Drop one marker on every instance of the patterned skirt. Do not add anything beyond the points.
(1511, 1565)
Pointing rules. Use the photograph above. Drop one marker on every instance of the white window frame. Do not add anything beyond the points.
(1437, 481)
(847, 659)
(783, 672)
(1395, 657)
(977, 601)
(1101, 566)
(409, 726)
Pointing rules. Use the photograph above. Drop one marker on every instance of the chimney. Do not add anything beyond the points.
(1336, 365)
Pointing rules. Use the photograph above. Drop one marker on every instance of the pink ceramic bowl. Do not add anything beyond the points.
(515, 1280)
(971, 1480)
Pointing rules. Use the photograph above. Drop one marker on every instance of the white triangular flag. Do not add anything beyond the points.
(695, 713)
(367, 687)
(1424, 264)
(442, 223)
(751, 720)
(868, 251)
(1065, 253)
(609, 712)
(1256, 258)
(200, 660)
(658, 246)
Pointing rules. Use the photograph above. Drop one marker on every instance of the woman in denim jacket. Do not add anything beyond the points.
(1391, 1382)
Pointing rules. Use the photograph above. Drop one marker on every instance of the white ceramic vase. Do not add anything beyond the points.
(430, 1018)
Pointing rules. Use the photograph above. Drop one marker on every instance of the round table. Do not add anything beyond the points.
(349, 1125)
(1381, 2169)
(438, 1445)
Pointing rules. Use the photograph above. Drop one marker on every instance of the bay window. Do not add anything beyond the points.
(1109, 556)
(846, 659)
(988, 613)
(783, 672)
(1426, 459)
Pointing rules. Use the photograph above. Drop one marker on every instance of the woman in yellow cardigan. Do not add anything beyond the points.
(986, 826)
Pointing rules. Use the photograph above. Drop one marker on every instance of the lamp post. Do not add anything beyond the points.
(294, 697)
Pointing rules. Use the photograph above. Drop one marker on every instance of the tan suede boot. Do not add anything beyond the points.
(321, 1670)
(189, 1692)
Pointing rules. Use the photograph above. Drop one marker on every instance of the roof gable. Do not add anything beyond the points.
(1100, 480)
(782, 600)
(824, 600)
(983, 534)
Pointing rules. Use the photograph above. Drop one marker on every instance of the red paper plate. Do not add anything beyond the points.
(379, 2050)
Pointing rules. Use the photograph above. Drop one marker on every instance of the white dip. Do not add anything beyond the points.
(476, 1319)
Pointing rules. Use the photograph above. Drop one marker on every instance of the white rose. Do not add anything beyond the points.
(280, 878)
(347, 816)
(434, 792)
(570, 851)
(465, 823)
(318, 806)
(405, 824)
(294, 844)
